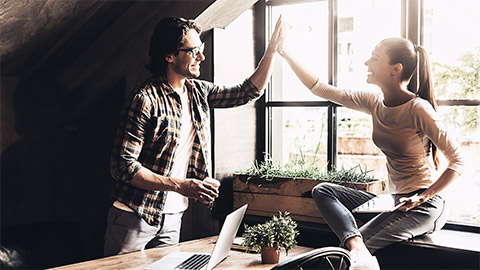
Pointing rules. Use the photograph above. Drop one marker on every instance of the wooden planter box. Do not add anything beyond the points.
(267, 198)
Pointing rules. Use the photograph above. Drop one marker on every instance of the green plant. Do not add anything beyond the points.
(268, 170)
(353, 175)
(280, 233)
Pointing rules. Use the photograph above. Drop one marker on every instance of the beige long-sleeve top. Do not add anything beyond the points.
(402, 134)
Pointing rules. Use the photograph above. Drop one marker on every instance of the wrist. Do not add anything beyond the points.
(175, 184)
(270, 52)
(171, 183)
(424, 197)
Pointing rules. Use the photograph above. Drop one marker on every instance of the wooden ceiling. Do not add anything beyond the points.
(60, 57)
(65, 34)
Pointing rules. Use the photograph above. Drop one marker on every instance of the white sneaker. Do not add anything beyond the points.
(364, 263)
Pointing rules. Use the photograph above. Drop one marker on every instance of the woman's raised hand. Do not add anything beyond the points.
(278, 36)
(281, 37)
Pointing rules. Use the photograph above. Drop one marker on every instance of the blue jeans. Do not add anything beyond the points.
(127, 232)
(335, 203)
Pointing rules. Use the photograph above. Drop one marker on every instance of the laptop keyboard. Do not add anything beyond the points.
(196, 261)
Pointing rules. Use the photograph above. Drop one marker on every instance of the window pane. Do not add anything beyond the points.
(362, 24)
(233, 124)
(462, 195)
(355, 145)
(300, 134)
(307, 40)
(359, 31)
(454, 47)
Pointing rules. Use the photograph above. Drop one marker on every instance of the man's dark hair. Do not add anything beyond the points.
(167, 38)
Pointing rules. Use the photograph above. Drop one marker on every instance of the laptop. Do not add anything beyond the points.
(378, 204)
(205, 261)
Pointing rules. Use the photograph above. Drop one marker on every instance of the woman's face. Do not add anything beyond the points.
(379, 67)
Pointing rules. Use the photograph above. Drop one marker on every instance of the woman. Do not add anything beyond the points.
(407, 129)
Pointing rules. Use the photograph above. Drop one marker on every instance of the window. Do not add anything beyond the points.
(335, 38)
(298, 129)
(361, 32)
(454, 47)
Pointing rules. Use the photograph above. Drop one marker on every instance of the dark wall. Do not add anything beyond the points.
(57, 131)
(55, 183)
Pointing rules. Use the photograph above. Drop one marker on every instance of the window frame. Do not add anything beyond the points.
(412, 28)
(332, 71)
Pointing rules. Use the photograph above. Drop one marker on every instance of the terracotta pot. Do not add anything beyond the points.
(270, 255)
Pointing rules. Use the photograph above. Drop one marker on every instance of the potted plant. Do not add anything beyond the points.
(269, 187)
(270, 237)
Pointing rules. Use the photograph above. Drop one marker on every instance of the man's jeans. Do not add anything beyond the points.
(127, 232)
(335, 203)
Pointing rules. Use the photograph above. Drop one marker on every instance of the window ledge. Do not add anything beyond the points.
(449, 240)
(445, 249)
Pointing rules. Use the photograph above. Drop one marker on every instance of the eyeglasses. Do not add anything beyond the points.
(195, 50)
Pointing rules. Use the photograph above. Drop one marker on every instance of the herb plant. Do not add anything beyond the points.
(280, 233)
(268, 170)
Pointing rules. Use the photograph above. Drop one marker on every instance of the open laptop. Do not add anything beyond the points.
(378, 204)
(205, 261)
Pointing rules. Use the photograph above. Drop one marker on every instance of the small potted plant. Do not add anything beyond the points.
(270, 237)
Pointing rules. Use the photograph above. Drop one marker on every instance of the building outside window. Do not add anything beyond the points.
(334, 39)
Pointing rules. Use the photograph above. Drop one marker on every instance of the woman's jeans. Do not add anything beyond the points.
(335, 203)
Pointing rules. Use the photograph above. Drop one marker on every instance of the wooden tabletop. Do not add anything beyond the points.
(141, 259)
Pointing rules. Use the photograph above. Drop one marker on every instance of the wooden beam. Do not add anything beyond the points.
(222, 12)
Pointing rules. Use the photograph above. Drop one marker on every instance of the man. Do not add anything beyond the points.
(161, 151)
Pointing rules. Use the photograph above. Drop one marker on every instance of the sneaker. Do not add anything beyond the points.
(364, 263)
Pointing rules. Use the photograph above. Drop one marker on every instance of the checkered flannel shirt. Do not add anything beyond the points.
(148, 134)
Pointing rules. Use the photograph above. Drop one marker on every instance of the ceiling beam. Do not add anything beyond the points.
(222, 12)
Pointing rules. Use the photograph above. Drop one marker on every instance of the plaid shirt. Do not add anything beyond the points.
(149, 132)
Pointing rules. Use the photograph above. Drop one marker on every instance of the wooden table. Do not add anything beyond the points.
(140, 259)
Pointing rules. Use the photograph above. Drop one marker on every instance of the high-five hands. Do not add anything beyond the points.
(281, 36)
(278, 35)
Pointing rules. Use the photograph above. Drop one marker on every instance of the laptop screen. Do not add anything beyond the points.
(220, 251)
(226, 237)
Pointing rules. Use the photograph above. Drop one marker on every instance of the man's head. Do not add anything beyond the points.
(174, 38)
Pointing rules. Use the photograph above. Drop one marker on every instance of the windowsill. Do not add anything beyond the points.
(448, 239)
(445, 249)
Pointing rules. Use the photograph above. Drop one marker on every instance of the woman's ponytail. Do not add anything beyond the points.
(425, 89)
